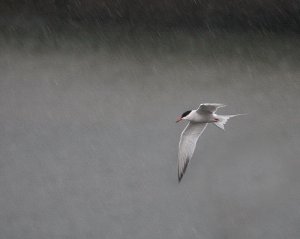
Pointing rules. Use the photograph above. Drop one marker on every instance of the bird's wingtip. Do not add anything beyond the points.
(179, 178)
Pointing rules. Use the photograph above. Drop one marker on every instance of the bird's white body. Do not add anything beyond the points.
(196, 117)
(198, 120)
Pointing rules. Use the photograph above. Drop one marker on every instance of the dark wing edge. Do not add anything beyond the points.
(182, 172)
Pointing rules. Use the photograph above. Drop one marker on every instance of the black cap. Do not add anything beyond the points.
(185, 113)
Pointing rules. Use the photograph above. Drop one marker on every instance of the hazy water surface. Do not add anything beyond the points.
(88, 145)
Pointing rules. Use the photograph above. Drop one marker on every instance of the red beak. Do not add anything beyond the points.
(179, 119)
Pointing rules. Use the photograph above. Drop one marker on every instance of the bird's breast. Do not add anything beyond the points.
(198, 118)
(203, 118)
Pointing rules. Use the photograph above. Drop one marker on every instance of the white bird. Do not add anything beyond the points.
(198, 120)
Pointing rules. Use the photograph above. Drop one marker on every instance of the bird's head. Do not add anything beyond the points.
(182, 117)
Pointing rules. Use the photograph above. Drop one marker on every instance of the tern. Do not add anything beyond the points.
(198, 120)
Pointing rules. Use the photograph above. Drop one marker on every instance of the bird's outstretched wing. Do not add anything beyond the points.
(187, 145)
(209, 107)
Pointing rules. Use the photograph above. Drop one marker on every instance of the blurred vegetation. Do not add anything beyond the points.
(230, 14)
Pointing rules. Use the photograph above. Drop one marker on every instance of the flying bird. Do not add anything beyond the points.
(198, 120)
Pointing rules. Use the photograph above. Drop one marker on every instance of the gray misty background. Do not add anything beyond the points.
(89, 94)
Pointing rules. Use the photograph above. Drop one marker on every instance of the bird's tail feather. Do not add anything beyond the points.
(223, 120)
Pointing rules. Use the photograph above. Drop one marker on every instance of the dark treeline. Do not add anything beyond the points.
(267, 14)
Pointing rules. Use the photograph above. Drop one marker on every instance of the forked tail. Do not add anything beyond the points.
(222, 120)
